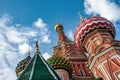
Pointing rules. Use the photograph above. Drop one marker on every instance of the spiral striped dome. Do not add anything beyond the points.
(90, 24)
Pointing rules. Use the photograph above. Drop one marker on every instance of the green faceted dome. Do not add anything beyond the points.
(22, 65)
(60, 63)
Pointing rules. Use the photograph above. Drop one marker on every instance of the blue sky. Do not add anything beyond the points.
(25, 21)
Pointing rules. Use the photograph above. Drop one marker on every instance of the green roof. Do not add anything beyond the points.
(38, 69)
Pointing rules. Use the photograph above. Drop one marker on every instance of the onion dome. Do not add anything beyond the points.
(22, 65)
(61, 36)
(57, 26)
(90, 24)
(60, 63)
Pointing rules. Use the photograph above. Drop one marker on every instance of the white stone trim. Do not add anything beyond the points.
(100, 54)
(115, 64)
(31, 74)
(116, 75)
(47, 66)
(83, 77)
(100, 66)
(107, 74)
(106, 61)
(118, 57)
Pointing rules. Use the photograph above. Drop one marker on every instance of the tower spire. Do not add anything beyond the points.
(81, 17)
(37, 46)
(61, 36)
(28, 50)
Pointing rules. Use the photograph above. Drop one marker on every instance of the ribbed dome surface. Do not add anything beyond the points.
(90, 24)
(22, 65)
(60, 63)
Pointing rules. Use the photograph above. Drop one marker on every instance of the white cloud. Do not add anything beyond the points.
(14, 36)
(14, 39)
(70, 35)
(44, 37)
(7, 74)
(19, 35)
(46, 55)
(104, 8)
(39, 23)
(23, 48)
(4, 20)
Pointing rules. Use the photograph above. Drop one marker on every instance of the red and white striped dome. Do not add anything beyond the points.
(91, 24)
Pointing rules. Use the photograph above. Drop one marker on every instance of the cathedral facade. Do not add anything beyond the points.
(94, 36)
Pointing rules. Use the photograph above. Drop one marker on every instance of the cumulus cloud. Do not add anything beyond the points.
(39, 23)
(43, 30)
(7, 74)
(23, 48)
(70, 35)
(14, 42)
(46, 39)
(104, 8)
(46, 55)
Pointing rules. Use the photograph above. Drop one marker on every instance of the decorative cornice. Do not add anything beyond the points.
(100, 54)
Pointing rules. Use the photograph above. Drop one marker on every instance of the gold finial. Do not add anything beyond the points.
(37, 46)
(28, 50)
(81, 17)
(57, 26)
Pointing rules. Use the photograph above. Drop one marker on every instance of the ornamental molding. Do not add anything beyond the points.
(100, 54)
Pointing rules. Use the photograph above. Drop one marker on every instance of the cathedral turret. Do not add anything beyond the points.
(95, 35)
(67, 49)
(61, 36)
(62, 66)
(22, 64)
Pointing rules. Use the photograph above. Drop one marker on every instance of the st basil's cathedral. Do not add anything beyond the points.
(94, 36)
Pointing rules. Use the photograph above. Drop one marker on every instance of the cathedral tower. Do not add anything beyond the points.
(68, 50)
(96, 35)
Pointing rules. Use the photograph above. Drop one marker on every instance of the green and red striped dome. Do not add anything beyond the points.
(22, 65)
(90, 24)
